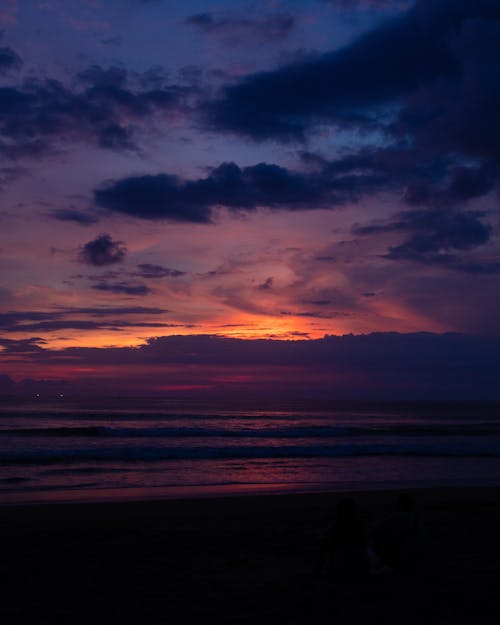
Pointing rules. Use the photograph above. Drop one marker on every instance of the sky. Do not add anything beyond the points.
(203, 197)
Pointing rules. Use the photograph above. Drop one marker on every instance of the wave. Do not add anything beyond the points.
(153, 416)
(338, 410)
(482, 429)
(151, 454)
(54, 431)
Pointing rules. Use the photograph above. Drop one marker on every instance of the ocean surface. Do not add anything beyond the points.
(146, 448)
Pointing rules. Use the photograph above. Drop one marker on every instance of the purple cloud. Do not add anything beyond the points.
(148, 270)
(237, 30)
(102, 251)
(123, 288)
(73, 215)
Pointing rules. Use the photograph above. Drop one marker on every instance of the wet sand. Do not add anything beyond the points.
(242, 560)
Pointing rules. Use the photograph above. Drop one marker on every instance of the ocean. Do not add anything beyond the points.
(65, 450)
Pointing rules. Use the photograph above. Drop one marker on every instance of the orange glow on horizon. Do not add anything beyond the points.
(241, 326)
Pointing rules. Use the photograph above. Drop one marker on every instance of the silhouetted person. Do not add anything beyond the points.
(396, 540)
(345, 555)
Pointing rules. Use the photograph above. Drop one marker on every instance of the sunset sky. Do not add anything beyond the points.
(266, 170)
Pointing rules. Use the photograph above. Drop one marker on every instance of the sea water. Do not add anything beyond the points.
(145, 448)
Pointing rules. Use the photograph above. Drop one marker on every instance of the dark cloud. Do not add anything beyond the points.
(84, 324)
(399, 162)
(7, 384)
(53, 326)
(72, 214)
(30, 387)
(459, 115)
(468, 183)
(234, 29)
(247, 188)
(396, 167)
(9, 60)
(460, 184)
(102, 251)
(267, 285)
(355, 5)
(106, 275)
(318, 302)
(22, 346)
(344, 85)
(11, 320)
(439, 183)
(148, 270)
(71, 319)
(152, 197)
(105, 107)
(14, 320)
(482, 267)
(99, 311)
(383, 365)
(315, 314)
(123, 288)
(434, 235)
(426, 78)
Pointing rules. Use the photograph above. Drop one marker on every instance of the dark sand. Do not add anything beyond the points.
(241, 560)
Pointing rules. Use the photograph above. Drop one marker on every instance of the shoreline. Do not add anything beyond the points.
(373, 503)
(124, 495)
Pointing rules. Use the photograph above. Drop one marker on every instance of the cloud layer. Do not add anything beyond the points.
(376, 366)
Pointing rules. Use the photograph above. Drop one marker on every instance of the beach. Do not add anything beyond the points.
(242, 559)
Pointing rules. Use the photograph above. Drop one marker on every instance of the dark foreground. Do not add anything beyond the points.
(241, 560)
